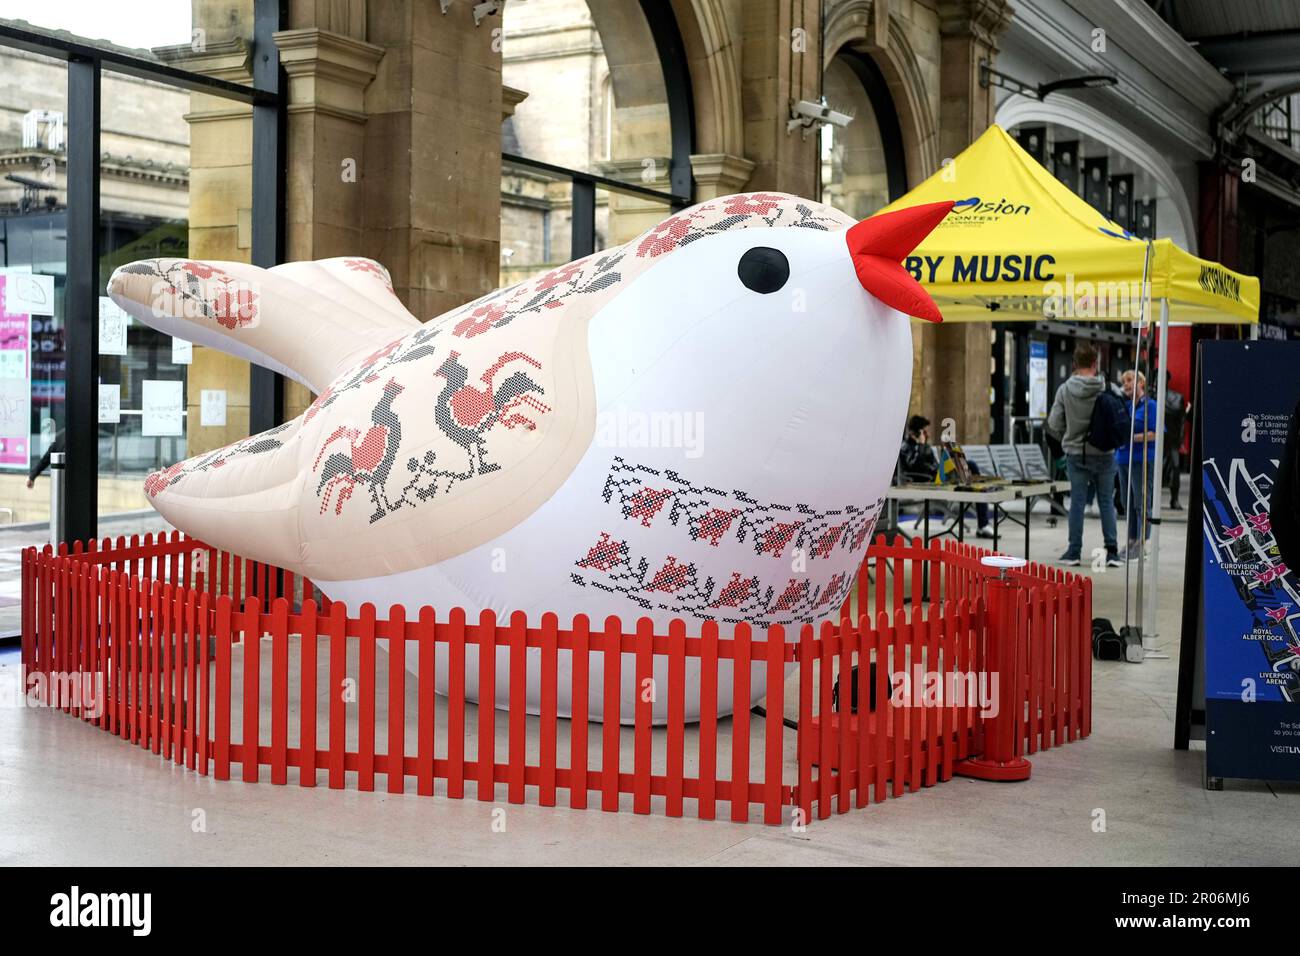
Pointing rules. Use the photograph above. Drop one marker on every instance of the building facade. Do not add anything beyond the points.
(465, 145)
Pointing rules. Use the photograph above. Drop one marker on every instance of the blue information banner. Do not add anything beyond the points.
(1250, 599)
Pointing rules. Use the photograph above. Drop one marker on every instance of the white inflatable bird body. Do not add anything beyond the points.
(699, 424)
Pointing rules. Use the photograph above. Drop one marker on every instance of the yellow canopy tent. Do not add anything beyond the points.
(1020, 245)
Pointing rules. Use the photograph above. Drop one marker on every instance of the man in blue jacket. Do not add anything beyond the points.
(1139, 480)
(1090, 469)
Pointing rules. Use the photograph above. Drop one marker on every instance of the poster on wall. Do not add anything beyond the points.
(212, 407)
(15, 380)
(28, 293)
(162, 408)
(1037, 379)
(110, 404)
(1250, 599)
(112, 327)
(182, 352)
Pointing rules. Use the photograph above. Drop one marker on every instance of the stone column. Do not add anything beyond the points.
(431, 170)
(955, 361)
(780, 64)
(326, 142)
(719, 174)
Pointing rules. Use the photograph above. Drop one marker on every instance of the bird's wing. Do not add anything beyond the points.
(306, 320)
(430, 445)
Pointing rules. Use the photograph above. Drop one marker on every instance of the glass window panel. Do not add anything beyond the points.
(33, 271)
(536, 223)
(176, 182)
(595, 96)
(621, 217)
(183, 34)
(854, 175)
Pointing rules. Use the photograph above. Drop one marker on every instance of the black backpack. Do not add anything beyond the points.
(1175, 415)
(1108, 428)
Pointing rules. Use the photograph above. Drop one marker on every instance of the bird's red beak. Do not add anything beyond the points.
(880, 243)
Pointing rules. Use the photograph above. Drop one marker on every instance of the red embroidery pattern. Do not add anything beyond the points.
(710, 514)
(676, 586)
(202, 290)
(372, 267)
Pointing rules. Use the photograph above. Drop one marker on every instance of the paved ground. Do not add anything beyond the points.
(69, 794)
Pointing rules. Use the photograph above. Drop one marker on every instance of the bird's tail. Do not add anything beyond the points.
(307, 320)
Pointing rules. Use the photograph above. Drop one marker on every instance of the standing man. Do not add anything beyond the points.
(1089, 467)
(1175, 416)
(1139, 479)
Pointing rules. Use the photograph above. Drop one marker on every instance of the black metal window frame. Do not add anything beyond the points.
(681, 121)
(85, 65)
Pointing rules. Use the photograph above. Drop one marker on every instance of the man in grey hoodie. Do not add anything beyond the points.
(1089, 468)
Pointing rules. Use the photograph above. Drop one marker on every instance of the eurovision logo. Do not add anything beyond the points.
(975, 209)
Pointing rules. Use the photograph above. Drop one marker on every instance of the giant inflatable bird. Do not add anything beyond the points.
(698, 424)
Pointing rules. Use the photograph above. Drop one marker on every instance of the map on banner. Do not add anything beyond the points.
(1250, 597)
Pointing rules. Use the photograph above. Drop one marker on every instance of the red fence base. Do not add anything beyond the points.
(225, 666)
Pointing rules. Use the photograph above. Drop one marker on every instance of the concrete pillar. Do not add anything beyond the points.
(952, 369)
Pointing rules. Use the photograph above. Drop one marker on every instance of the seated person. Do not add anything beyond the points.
(916, 459)
(917, 462)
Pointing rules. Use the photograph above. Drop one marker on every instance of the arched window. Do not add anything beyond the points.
(592, 148)
(863, 166)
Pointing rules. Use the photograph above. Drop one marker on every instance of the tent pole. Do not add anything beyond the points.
(1144, 319)
(1149, 633)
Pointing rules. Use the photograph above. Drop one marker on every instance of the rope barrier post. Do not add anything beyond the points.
(57, 459)
(999, 760)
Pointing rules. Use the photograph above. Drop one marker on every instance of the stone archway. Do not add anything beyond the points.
(718, 161)
(851, 26)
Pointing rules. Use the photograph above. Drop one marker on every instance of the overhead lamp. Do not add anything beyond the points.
(1085, 81)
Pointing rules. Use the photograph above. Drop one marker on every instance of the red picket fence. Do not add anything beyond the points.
(227, 665)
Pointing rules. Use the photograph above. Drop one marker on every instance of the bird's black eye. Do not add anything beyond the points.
(763, 269)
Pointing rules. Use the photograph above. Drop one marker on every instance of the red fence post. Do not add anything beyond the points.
(221, 746)
(396, 765)
(581, 660)
(999, 760)
(279, 691)
(307, 680)
(366, 700)
(456, 703)
(774, 737)
(676, 716)
(424, 684)
(643, 711)
(706, 803)
(252, 646)
(550, 692)
(517, 736)
(804, 789)
(486, 754)
(740, 723)
(338, 714)
(611, 642)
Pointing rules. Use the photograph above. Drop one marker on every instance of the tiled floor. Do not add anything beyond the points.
(71, 794)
